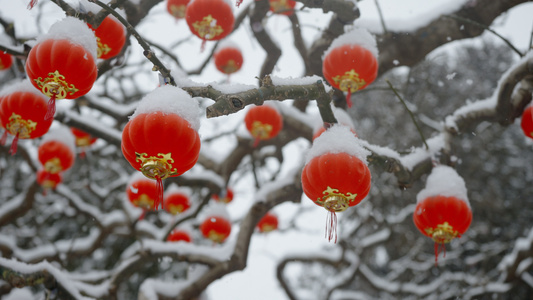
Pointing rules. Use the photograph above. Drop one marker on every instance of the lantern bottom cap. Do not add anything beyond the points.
(336, 203)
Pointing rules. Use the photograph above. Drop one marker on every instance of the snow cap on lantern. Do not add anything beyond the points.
(57, 150)
(74, 30)
(216, 224)
(339, 139)
(444, 181)
(342, 117)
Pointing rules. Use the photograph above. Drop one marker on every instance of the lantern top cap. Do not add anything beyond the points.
(74, 30)
(61, 134)
(215, 209)
(337, 139)
(444, 181)
(170, 100)
(356, 36)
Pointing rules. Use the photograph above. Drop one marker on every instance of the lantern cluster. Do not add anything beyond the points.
(282, 7)
(161, 139)
(527, 122)
(263, 122)
(62, 65)
(336, 175)
(177, 8)
(22, 113)
(443, 211)
(228, 58)
(268, 223)
(210, 19)
(350, 63)
(56, 153)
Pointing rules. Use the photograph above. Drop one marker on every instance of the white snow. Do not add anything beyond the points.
(73, 30)
(22, 86)
(214, 209)
(170, 100)
(435, 144)
(227, 43)
(306, 80)
(444, 181)
(337, 139)
(356, 36)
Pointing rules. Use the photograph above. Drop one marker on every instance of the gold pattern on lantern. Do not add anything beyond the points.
(53, 166)
(207, 28)
(216, 237)
(83, 141)
(153, 167)
(230, 67)
(48, 184)
(102, 49)
(261, 130)
(55, 85)
(333, 200)
(268, 228)
(17, 125)
(175, 209)
(144, 202)
(443, 233)
(280, 6)
(350, 81)
(178, 11)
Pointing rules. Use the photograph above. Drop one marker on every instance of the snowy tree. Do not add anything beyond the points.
(450, 91)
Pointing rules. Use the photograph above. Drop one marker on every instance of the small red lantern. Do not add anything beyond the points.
(282, 7)
(228, 58)
(22, 112)
(179, 235)
(263, 122)
(210, 19)
(527, 122)
(62, 65)
(110, 37)
(336, 175)
(142, 192)
(5, 61)
(176, 202)
(177, 8)
(350, 63)
(48, 180)
(161, 139)
(56, 151)
(442, 211)
(83, 139)
(268, 222)
(225, 197)
(216, 228)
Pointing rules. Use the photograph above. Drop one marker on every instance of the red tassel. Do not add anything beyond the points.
(4, 138)
(159, 198)
(349, 99)
(238, 3)
(32, 4)
(141, 217)
(202, 48)
(14, 144)
(331, 226)
(256, 142)
(51, 108)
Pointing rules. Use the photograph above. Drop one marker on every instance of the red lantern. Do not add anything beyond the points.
(228, 58)
(350, 64)
(110, 37)
(62, 63)
(83, 139)
(142, 192)
(263, 122)
(56, 151)
(161, 139)
(179, 235)
(216, 228)
(5, 61)
(282, 7)
(225, 197)
(48, 180)
(527, 121)
(22, 112)
(336, 176)
(210, 19)
(176, 202)
(442, 211)
(268, 222)
(177, 8)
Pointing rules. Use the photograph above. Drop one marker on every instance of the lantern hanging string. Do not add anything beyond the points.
(51, 110)
(14, 144)
(439, 247)
(159, 198)
(32, 4)
(3, 139)
(349, 98)
(331, 226)
(238, 3)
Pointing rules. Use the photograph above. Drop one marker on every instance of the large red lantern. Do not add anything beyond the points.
(228, 58)
(48, 180)
(268, 222)
(177, 8)
(179, 235)
(282, 7)
(210, 19)
(161, 139)
(110, 37)
(142, 192)
(225, 197)
(57, 151)
(336, 175)
(263, 122)
(216, 228)
(22, 113)
(176, 202)
(350, 63)
(527, 122)
(62, 65)
(443, 211)
(5, 61)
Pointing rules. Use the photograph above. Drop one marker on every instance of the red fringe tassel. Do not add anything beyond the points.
(51, 108)
(349, 99)
(331, 226)
(32, 4)
(159, 199)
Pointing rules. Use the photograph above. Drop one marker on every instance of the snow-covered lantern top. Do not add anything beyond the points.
(57, 150)
(351, 62)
